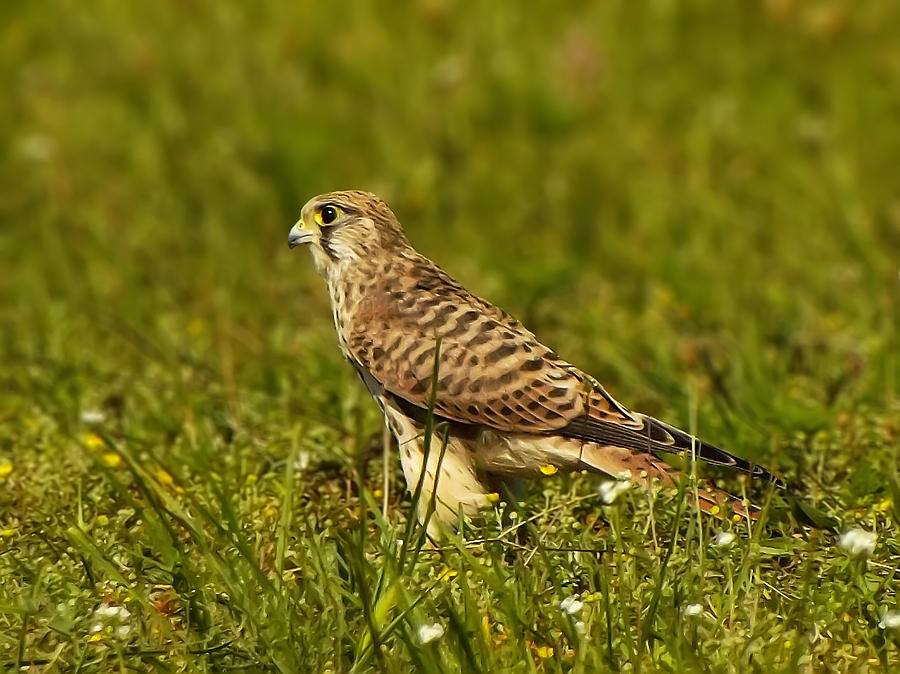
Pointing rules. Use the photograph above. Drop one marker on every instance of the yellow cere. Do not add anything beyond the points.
(549, 469)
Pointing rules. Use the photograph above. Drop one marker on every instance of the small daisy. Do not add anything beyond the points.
(610, 490)
(571, 605)
(723, 539)
(428, 633)
(693, 610)
(857, 542)
(110, 619)
(92, 417)
(112, 612)
(890, 621)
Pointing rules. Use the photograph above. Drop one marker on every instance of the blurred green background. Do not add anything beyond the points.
(698, 202)
(658, 189)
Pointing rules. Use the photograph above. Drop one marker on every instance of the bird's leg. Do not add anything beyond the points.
(450, 482)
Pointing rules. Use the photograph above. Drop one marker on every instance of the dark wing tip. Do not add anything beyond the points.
(684, 443)
(656, 436)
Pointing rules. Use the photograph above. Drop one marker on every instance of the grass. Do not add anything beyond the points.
(696, 202)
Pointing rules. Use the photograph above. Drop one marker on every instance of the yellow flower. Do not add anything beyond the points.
(5, 468)
(549, 469)
(102, 520)
(270, 511)
(883, 506)
(112, 459)
(7, 533)
(447, 573)
(377, 493)
(544, 651)
(166, 480)
(493, 497)
(93, 441)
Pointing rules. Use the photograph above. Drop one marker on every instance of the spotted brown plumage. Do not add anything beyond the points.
(512, 404)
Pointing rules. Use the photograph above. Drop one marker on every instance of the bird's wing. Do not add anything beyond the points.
(491, 371)
(494, 373)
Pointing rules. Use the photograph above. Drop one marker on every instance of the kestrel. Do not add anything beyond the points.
(512, 407)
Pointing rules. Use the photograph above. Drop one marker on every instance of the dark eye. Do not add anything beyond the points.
(329, 215)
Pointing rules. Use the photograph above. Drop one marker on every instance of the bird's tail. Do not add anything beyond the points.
(646, 470)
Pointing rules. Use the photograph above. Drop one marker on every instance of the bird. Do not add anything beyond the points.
(435, 356)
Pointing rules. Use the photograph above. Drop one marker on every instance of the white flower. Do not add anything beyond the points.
(890, 621)
(579, 627)
(302, 461)
(723, 539)
(108, 613)
(123, 631)
(692, 610)
(428, 633)
(92, 417)
(610, 490)
(858, 543)
(571, 605)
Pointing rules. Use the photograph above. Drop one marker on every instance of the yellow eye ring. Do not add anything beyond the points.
(327, 214)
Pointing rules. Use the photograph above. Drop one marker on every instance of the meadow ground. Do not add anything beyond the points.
(698, 203)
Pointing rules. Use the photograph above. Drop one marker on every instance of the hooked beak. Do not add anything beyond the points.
(299, 235)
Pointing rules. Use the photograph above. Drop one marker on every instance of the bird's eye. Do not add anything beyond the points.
(328, 214)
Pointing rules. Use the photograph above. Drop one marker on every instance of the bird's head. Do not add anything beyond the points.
(343, 228)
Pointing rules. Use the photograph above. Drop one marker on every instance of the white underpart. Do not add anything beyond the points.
(321, 261)
(522, 454)
(453, 477)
